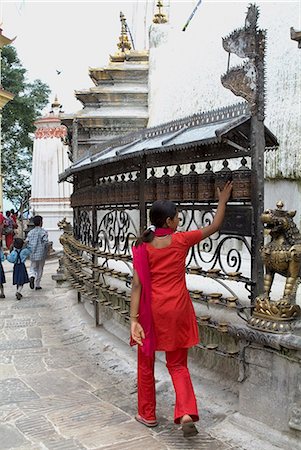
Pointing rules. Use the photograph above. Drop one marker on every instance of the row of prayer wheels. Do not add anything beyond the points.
(199, 187)
(179, 188)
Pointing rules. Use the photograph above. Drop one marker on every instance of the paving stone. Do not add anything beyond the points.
(27, 351)
(56, 382)
(149, 443)
(106, 434)
(3, 336)
(29, 303)
(10, 413)
(89, 373)
(19, 323)
(34, 332)
(73, 339)
(47, 404)
(13, 390)
(10, 437)
(75, 422)
(37, 428)
(15, 333)
(62, 358)
(7, 371)
(174, 439)
(29, 364)
(63, 444)
(20, 344)
(5, 359)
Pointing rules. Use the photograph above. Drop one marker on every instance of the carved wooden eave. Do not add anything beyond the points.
(110, 75)
(129, 67)
(179, 141)
(5, 40)
(110, 123)
(119, 96)
(5, 97)
(296, 36)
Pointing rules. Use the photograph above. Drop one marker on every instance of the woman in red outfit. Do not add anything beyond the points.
(162, 314)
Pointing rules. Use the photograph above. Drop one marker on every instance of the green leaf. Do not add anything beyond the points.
(18, 117)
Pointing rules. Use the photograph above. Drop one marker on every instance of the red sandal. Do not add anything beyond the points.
(147, 423)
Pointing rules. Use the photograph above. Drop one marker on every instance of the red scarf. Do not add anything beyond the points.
(141, 265)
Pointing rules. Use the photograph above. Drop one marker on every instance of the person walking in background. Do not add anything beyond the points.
(162, 314)
(18, 257)
(2, 274)
(9, 229)
(14, 215)
(37, 240)
(1, 225)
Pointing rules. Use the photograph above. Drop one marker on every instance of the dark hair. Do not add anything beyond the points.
(160, 211)
(7, 213)
(37, 220)
(18, 243)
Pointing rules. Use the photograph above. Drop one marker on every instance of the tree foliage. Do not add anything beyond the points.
(18, 118)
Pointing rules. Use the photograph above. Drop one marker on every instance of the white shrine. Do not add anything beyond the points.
(50, 199)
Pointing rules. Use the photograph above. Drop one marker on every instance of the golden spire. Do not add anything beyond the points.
(56, 103)
(160, 17)
(124, 43)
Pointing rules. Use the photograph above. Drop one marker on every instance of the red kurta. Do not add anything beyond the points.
(173, 313)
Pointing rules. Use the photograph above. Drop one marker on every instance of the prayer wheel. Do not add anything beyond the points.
(242, 182)
(190, 185)
(163, 186)
(176, 186)
(118, 190)
(206, 183)
(150, 192)
(222, 177)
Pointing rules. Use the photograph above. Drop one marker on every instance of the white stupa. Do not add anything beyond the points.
(50, 199)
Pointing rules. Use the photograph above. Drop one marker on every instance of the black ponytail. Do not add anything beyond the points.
(160, 211)
(147, 236)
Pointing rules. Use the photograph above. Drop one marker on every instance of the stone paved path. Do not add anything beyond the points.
(62, 390)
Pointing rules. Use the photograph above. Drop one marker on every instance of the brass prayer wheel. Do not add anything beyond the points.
(150, 192)
(118, 191)
(222, 177)
(206, 183)
(242, 182)
(176, 186)
(190, 185)
(163, 186)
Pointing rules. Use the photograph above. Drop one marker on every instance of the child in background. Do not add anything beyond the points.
(37, 240)
(18, 257)
(2, 274)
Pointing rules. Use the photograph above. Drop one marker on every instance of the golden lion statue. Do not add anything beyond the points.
(283, 253)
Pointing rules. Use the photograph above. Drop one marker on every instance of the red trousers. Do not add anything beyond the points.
(9, 238)
(176, 363)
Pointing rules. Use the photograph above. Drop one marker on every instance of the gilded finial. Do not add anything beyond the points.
(56, 103)
(280, 204)
(160, 17)
(124, 43)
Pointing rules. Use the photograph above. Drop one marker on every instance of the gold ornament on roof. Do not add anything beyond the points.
(56, 103)
(160, 17)
(124, 43)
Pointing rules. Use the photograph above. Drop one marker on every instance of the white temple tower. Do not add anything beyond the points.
(50, 199)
